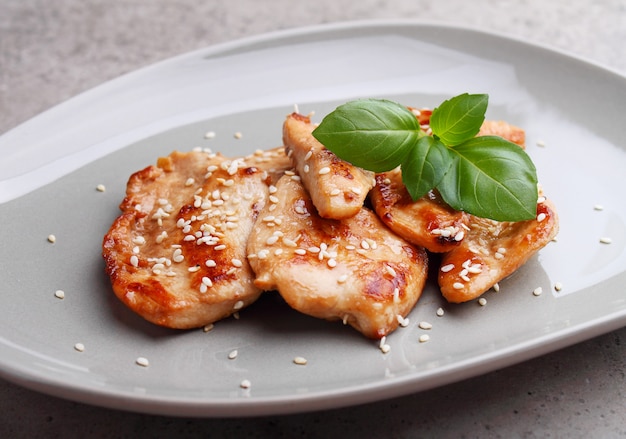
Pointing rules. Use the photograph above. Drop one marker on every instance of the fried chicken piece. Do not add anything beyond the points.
(177, 253)
(428, 222)
(493, 250)
(354, 270)
(338, 188)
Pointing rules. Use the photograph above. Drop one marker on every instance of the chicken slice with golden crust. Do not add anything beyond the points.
(354, 270)
(338, 188)
(177, 253)
(493, 250)
(428, 222)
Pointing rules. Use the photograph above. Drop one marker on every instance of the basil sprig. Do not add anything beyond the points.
(486, 176)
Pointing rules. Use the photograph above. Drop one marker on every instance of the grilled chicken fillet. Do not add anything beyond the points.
(355, 270)
(338, 188)
(177, 253)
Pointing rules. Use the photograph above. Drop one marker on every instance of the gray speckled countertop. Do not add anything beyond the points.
(52, 50)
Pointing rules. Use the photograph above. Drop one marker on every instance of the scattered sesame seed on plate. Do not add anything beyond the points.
(245, 384)
(101, 188)
(52, 239)
(440, 312)
(482, 301)
(142, 361)
(301, 361)
(238, 135)
(208, 327)
(541, 143)
(424, 338)
(425, 325)
(606, 240)
(537, 291)
(598, 207)
(79, 347)
(59, 294)
(233, 354)
(209, 135)
(558, 286)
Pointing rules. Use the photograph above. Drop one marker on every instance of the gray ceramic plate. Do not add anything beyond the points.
(572, 112)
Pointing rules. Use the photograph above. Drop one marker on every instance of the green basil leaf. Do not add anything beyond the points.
(424, 166)
(459, 118)
(374, 134)
(491, 178)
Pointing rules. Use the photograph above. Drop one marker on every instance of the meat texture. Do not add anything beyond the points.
(338, 188)
(354, 270)
(429, 222)
(493, 250)
(177, 253)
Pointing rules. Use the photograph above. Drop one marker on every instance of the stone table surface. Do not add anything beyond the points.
(53, 50)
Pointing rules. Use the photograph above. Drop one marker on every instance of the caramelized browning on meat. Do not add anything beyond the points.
(337, 187)
(177, 254)
(354, 270)
(428, 222)
(493, 250)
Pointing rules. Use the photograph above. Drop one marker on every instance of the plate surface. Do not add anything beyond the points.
(571, 111)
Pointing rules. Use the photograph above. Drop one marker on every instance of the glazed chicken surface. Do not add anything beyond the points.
(354, 270)
(177, 254)
(493, 250)
(337, 188)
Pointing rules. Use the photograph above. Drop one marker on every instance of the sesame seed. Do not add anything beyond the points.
(306, 169)
(101, 188)
(458, 286)
(425, 325)
(424, 338)
(396, 294)
(390, 271)
(59, 294)
(459, 236)
(447, 268)
(142, 361)
(335, 192)
(558, 286)
(341, 279)
(300, 251)
(193, 269)
(220, 247)
(245, 384)
(402, 321)
(598, 207)
(238, 305)
(236, 262)
(272, 240)
(325, 170)
(332, 263)
(496, 287)
(207, 328)
(537, 291)
(301, 361)
(482, 301)
(541, 143)
(52, 238)
(134, 261)
(233, 354)
(541, 217)
(139, 240)
(606, 240)
(237, 135)
(209, 135)
(308, 155)
(189, 181)
(79, 347)
(385, 348)
(440, 312)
